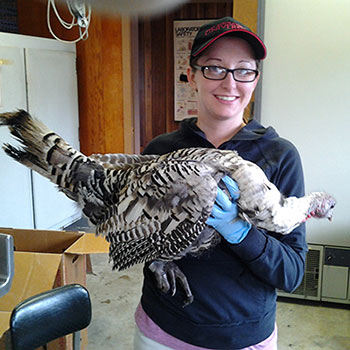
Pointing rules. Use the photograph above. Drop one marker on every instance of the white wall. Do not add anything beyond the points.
(306, 97)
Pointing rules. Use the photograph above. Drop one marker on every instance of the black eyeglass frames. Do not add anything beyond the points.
(242, 75)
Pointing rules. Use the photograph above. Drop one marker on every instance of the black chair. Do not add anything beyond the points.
(6, 265)
(48, 316)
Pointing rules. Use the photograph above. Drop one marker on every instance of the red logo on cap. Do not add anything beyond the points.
(223, 26)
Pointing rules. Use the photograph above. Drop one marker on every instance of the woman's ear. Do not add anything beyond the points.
(191, 78)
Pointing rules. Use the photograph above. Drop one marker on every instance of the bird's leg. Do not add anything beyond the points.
(166, 273)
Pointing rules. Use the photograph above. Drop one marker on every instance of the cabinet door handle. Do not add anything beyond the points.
(4, 61)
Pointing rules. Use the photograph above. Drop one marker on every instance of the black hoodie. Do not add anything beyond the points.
(234, 286)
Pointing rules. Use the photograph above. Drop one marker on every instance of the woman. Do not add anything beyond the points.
(234, 283)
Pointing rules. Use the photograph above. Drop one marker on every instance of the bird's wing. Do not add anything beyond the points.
(115, 160)
(259, 199)
(263, 205)
(160, 211)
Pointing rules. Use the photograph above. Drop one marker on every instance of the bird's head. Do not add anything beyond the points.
(322, 205)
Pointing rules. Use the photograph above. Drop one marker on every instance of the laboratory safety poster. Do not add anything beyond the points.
(185, 97)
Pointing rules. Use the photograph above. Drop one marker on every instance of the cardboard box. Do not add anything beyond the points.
(45, 260)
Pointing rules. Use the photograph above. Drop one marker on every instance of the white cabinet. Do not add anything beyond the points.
(38, 75)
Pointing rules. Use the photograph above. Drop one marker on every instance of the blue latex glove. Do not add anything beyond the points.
(224, 214)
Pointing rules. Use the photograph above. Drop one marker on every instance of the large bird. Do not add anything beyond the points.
(155, 208)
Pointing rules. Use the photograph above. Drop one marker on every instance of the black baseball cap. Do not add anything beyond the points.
(214, 30)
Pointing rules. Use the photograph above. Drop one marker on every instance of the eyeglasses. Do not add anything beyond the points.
(242, 75)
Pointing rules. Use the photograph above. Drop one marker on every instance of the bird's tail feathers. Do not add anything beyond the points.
(41, 149)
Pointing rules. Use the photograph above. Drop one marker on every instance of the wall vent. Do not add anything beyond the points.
(310, 287)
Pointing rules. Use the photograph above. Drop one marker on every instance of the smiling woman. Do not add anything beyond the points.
(236, 280)
(222, 97)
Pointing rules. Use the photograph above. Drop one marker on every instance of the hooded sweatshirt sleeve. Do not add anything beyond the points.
(277, 259)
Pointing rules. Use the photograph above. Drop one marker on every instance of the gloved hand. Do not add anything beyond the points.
(224, 214)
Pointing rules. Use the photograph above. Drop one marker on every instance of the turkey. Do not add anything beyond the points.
(154, 208)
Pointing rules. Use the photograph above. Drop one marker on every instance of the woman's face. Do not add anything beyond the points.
(224, 99)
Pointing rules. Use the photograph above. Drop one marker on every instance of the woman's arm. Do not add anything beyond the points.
(277, 259)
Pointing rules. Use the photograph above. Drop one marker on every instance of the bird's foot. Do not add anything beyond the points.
(166, 273)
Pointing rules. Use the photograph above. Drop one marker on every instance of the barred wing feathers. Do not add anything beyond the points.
(147, 207)
(158, 214)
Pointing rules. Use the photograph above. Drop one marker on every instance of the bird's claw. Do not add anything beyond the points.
(166, 274)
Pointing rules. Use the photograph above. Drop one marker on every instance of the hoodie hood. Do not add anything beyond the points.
(252, 131)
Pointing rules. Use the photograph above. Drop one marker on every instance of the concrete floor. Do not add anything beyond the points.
(115, 296)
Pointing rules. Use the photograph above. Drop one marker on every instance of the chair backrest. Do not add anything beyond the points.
(6, 263)
(50, 315)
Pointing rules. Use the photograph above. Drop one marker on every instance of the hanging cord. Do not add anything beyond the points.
(82, 22)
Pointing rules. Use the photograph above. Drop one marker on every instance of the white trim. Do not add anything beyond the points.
(31, 42)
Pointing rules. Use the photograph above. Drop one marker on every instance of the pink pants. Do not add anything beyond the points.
(141, 342)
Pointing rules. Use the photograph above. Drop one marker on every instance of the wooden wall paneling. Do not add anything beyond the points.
(88, 62)
(225, 8)
(188, 11)
(128, 85)
(32, 20)
(247, 13)
(146, 128)
(135, 66)
(101, 87)
(170, 122)
(113, 96)
(159, 76)
(141, 89)
(154, 62)
(208, 11)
